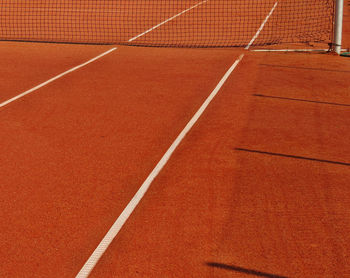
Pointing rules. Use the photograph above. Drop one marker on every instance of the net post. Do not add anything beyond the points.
(338, 24)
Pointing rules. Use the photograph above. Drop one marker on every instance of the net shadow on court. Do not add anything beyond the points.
(255, 273)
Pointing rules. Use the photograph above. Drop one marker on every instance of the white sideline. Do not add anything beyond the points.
(262, 26)
(123, 217)
(55, 78)
(165, 21)
(118, 224)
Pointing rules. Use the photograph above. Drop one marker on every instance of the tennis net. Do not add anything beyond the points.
(176, 23)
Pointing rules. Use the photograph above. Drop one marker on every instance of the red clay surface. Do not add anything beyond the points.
(258, 188)
(216, 211)
(78, 149)
(26, 65)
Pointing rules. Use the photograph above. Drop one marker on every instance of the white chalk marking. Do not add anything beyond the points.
(118, 224)
(55, 78)
(262, 26)
(165, 21)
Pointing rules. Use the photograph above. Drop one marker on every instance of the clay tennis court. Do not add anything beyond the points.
(124, 161)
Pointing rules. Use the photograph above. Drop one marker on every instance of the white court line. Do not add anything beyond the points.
(118, 224)
(169, 19)
(124, 216)
(55, 78)
(262, 26)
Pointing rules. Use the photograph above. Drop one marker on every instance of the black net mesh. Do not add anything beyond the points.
(177, 23)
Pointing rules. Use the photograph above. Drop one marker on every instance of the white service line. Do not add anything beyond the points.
(165, 21)
(262, 26)
(118, 224)
(55, 78)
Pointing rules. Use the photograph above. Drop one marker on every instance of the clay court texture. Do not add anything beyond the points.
(125, 161)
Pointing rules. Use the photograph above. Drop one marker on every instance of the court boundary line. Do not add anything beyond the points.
(56, 77)
(166, 21)
(128, 210)
(261, 26)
